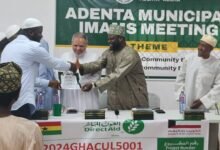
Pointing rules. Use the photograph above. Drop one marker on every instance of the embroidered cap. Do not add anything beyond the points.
(117, 30)
(31, 23)
(209, 40)
(10, 77)
(12, 30)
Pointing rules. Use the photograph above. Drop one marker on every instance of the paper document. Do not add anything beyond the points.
(69, 81)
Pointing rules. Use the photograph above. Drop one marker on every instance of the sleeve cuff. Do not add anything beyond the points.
(41, 82)
(207, 102)
(44, 82)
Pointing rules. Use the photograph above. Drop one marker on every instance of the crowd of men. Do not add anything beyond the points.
(26, 64)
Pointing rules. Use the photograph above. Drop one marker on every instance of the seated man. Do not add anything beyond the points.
(16, 133)
(199, 76)
(72, 96)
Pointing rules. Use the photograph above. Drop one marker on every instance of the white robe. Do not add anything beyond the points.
(200, 79)
(76, 98)
(28, 55)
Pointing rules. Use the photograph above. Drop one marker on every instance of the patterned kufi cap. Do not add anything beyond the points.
(10, 77)
(117, 30)
(209, 40)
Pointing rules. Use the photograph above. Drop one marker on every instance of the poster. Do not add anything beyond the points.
(162, 31)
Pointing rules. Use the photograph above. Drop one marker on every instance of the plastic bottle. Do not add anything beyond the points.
(40, 100)
(182, 102)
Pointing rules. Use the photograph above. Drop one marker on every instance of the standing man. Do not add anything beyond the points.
(46, 82)
(199, 76)
(76, 98)
(25, 134)
(125, 80)
(3, 42)
(12, 32)
(26, 51)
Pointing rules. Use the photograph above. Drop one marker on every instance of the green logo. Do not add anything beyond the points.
(133, 126)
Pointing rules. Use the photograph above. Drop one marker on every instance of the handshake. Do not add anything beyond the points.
(76, 66)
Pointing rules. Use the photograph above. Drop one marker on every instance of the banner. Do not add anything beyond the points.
(127, 135)
(162, 31)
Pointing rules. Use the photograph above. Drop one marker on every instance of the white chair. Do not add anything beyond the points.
(154, 100)
(103, 100)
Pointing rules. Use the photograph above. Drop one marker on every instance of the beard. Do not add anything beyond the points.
(115, 46)
(36, 38)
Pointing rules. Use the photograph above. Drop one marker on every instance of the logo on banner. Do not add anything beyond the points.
(50, 127)
(124, 1)
(182, 127)
(133, 126)
(106, 126)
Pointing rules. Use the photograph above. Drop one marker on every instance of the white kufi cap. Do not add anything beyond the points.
(209, 40)
(2, 36)
(31, 23)
(12, 30)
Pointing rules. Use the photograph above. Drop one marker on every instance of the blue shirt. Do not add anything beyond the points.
(45, 75)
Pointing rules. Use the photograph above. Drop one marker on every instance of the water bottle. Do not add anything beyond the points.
(182, 102)
(56, 99)
(40, 100)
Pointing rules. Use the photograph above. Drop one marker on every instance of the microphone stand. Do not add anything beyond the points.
(216, 106)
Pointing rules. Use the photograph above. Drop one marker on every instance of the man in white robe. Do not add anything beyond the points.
(73, 97)
(199, 76)
(26, 51)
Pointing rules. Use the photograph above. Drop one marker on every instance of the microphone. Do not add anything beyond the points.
(117, 112)
(216, 106)
(77, 79)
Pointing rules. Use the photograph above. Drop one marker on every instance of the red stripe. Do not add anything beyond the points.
(186, 126)
(55, 123)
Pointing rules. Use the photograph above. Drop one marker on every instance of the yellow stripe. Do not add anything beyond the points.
(165, 47)
(174, 47)
(51, 128)
(89, 46)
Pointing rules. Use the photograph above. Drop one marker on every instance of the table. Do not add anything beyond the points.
(73, 132)
(79, 100)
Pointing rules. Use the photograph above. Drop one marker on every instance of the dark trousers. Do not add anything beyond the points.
(24, 111)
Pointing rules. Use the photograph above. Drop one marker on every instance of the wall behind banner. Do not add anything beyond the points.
(14, 12)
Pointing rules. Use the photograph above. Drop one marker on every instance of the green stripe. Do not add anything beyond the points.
(52, 132)
(156, 77)
(160, 77)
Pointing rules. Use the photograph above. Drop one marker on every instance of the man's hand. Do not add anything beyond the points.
(87, 87)
(77, 64)
(54, 84)
(73, 67)
(196, 104)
